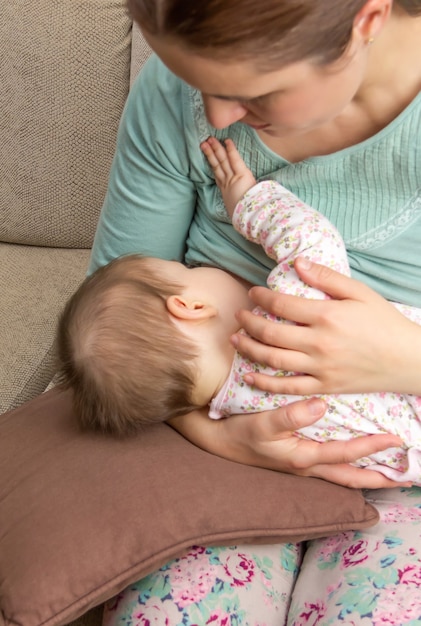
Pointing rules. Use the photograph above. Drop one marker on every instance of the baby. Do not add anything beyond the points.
(144, 339)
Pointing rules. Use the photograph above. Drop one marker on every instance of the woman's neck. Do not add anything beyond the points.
(393, 76)
(392, 81)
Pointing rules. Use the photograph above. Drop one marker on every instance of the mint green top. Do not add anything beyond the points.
(162, 199)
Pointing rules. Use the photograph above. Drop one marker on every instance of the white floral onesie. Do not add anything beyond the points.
(271, 216)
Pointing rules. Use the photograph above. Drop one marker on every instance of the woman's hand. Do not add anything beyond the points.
(357, 342)
(266, 440)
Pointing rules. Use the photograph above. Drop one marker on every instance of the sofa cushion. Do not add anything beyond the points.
(64, 76)
(83, 515)
(35, 283)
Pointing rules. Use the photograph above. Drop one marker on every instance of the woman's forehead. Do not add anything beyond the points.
(229, 78)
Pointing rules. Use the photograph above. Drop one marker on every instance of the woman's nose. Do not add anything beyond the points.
(221, 113)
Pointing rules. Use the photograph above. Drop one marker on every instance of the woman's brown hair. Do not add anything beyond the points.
(272, 31)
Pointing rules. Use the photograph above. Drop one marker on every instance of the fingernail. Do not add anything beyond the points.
(234, 340)
(316, 406)
(248, 379)
(304, 263)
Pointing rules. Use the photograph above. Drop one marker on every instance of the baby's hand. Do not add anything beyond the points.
(232, 175)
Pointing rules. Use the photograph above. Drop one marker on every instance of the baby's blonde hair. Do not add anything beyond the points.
(126, 362)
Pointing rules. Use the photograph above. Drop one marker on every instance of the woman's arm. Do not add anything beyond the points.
(357, 342)
(266, 440)
(151, 198)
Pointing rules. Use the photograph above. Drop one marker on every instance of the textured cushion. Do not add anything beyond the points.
(35, 282)
(84, 515)
(64, 76)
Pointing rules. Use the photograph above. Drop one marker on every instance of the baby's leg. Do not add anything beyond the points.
(369, 578)
(242, 585)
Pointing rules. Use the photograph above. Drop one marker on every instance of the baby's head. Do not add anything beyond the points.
(119, 351)
(144, 340)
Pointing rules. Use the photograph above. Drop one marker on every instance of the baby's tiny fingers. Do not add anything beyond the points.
(217, 167)
(209, 153)
(221, 156)
(237, 164)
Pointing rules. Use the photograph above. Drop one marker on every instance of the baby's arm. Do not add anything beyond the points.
(271, 216)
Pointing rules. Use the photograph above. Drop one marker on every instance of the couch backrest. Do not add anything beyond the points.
(140, 52)
(64, 77)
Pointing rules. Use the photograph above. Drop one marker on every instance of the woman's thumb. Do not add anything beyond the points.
(326, 279)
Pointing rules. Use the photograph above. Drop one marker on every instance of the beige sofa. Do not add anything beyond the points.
(65, 71)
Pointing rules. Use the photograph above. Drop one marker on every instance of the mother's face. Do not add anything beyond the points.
(281, 102)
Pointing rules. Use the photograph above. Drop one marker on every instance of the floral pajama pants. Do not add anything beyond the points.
(361, 578)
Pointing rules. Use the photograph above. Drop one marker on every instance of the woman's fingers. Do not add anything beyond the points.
(291, 308)
(266, 440)
(341, 346)
(336, 285)
(354, 477)
(271, 430)
(280, 423)
(312, 453)
(270, 442)
(270, 335)
(295, 385)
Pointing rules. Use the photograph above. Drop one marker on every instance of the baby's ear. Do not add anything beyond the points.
(185, 309)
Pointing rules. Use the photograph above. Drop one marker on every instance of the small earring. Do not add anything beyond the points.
(370, 41)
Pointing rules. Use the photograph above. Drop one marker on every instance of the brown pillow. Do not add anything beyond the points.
(84, 515)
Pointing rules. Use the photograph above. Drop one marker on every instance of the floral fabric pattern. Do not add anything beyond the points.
(212, 586)
(370, 578)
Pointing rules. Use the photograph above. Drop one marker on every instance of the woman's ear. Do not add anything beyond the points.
(371, 18)
(184, 309)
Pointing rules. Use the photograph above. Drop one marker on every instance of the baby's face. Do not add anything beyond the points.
(209, 285)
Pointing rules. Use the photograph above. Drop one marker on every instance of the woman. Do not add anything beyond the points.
(324, 97)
